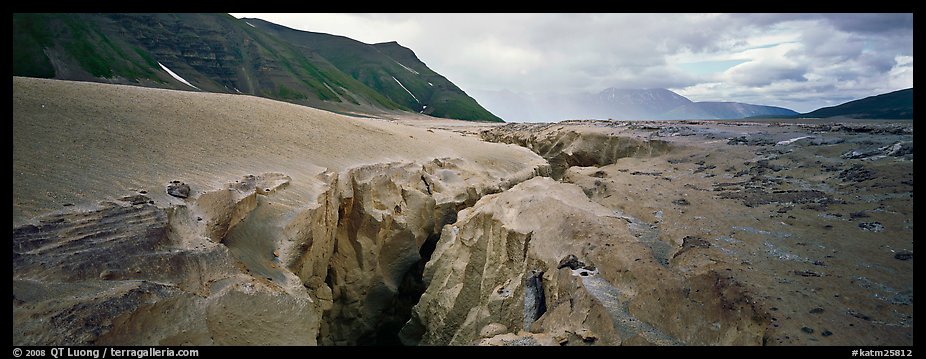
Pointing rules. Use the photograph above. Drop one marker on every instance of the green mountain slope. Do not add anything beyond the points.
(892, 105)
(390, 69)
(219, 53)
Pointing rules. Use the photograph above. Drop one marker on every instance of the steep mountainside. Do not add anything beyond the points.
(893, 105)
(218, 53)
(388, 68)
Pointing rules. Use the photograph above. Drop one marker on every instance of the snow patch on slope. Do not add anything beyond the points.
(177, 77)
(406, 90)
(407, 68)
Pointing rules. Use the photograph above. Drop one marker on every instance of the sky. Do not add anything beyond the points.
(798, 61)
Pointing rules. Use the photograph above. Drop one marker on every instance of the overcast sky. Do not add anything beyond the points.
(799, 61)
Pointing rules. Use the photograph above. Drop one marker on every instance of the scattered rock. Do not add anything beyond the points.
(681, 202)
(807, 273)
(671, 131)
(703, 168)
(903, 255)
(755, 197)
(826, 333)
(695, 242)
(68, 204)
(522, 338)
(871, 226)
(899, 149)
(816, 207)
(136, 199)
(807, 330)
(763, 165)
(902, 298)
(816, 310)
(859, 214)
(750, 141)
(857, 154)
(858, 315)
(178, 189)
(820, 141)
(857, 173)
(107, 274)
(587, 335)
(572, 262)
(492, 329)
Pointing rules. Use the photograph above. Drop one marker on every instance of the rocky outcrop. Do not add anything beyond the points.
(387, 215)
(574, 146)
(254, 263)
(500, 254)
(140, 274)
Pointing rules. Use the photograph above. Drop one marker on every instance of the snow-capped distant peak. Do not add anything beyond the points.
(175, 76)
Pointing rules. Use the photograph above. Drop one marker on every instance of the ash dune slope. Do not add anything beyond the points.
(79, 142)
(285, 204)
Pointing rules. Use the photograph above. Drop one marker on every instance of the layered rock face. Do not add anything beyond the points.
(575, 146)
(133, 273)
(542, 261)
(388, 216)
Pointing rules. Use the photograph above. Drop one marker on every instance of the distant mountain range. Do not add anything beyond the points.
(219, 53)
(892, 105)
(619, 104)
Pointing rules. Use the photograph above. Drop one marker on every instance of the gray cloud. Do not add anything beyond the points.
(871, 23)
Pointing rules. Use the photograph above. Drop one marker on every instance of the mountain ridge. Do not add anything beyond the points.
(892, 105)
